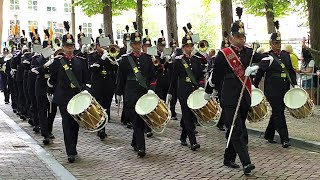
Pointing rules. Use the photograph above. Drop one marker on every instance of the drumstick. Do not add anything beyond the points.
(50, 108)
(239, 101)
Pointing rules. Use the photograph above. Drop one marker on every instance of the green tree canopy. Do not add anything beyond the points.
(94, 7)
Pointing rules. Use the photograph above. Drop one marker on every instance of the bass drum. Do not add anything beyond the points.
(205, 111)
(298, 103)
(153, 111)
(88, 113)
(259, 108)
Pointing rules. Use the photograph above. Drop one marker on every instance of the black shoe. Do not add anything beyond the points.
(18, 113)
(174, 118)
(231, 164)
(51, 136)
(46, 141)
(221, 128)
(270, 140)
(198, 124)
(30, 121)
(23, 117)
(286, 144)
(248, 168)
(129, 126)
(195, 147)
(36, 129)
(183, 142)
(6, 102)
(14, 111)
(102, 135)
(149, 134)
(141, 153)
(71, 158)
(196, 132)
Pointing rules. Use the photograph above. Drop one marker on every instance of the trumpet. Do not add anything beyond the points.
(203, 46)
(114, 50)
(91, 48)
(156, 61)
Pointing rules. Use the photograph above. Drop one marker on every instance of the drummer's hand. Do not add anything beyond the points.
(168, 98)
(50, 97)
(214, 93)
(296, 86)
(207, 96)
(119, 98)
(151, 91)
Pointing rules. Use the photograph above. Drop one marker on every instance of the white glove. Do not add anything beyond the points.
(26, 62)
(12, 72)
(95, 65)
(88, 85)
(214, 93)
(34, 70)
(119, 98)
(50, 97)
(151, 91)
(162, 56)
(49, 62)
(168, 98)
(207, 96)
(104, 55)
(251, 70)
(84, 49)
(296, 86)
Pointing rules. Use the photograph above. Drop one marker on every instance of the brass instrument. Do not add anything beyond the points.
(114, 50)
(156, 61)
(203, 46)
(91, 48)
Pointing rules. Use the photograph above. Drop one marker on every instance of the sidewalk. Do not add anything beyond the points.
(22, 158)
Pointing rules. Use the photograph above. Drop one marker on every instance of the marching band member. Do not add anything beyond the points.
(10, 79)
(232, 64)
(66, 88)
(135, 76)
(279, 76)
(4, 81)
(187, 76)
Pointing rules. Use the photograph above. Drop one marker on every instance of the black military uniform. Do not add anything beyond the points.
(32, 93)
(132, 90)
(125, 118)
(181, 81)
(65, 90)
(3, 74)
(278, 78)
(103, 74)
(10, 82)
(230, 92)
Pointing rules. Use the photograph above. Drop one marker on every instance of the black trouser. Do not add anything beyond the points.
(173, 103)
(277, 120)
(125, 117)
(239, 137)
(221, 120)
(12, 92)
(45, 117)
(16, 92)
(187, 123)
(22, 100)
(33, 99)
(138, 139)
(4, 86)
(26, 95)
(70, 131)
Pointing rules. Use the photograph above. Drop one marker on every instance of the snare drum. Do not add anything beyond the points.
(88, 113)
(153, 111)
(205, 111)
(298, 103)
(259, 108)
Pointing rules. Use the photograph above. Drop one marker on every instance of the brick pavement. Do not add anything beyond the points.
(167, 159)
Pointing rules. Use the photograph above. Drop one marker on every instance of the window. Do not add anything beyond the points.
(14, 5)
(51, 9)
(58, 28)
(34, 24)
(120, 31)
(33, 5)
(87, 29)
(51, 6)
(67, 6)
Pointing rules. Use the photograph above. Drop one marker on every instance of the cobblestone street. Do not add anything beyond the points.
(114, 158)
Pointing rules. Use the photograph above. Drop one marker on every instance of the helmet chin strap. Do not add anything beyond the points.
(273, 47)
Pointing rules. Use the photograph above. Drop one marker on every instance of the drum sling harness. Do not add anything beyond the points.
(137, 73)
(189, 72)
(283, 67)
(74, 82)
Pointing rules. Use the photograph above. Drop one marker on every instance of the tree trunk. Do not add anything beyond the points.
(139, 16)
(1, 23)
(226, 15)
(314, 22)
(107, 18)
(73, 20)
(270, 16)
(172, 25)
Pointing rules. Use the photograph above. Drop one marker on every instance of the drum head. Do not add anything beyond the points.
(295, 98)
(256, 97)
(146, 104)
(196, 99)
(79, 103)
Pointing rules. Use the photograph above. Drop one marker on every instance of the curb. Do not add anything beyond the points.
(296, 142)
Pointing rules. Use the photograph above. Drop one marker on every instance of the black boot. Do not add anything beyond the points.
(46, 141)
(71, 158)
